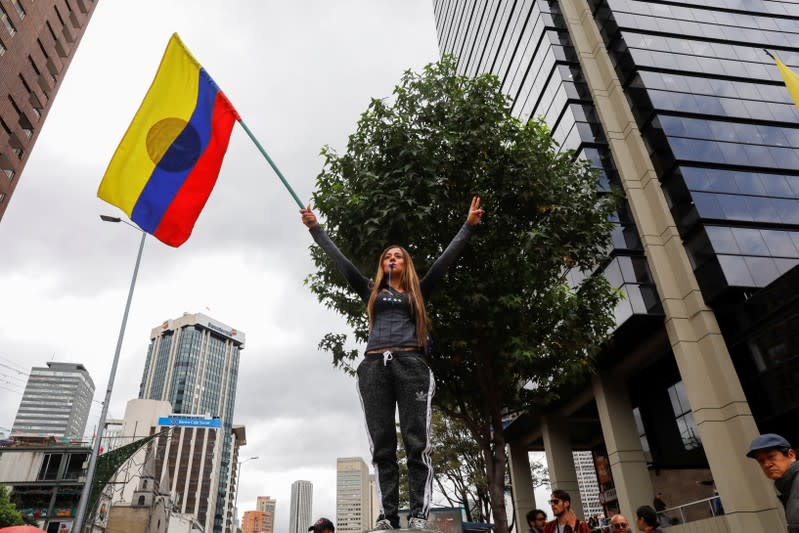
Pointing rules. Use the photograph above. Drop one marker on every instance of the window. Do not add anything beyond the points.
(41, 47)
(684, 416)
(2, 197)
(50, 466)
(18, 7)
(75, 466)
(24, 123)
(33, 98)
(2, 49)
(15, 147)
(7, 22)
(58, 14)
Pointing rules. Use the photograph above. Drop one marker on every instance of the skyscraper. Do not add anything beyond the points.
(56, 401)
(268, 505)
(353, 502)
(301, 506)
(587, 483)
(37, 42)
(676, 105)
(193, 363)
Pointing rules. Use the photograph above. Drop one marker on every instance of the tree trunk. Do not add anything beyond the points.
(496, 483)
(465, 499)
(496, 457)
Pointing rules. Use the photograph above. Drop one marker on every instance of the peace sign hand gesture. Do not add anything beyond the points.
(475, 213)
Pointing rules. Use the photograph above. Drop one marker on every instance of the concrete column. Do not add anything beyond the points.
(720, 408)
(560, 461)
(625, 455)
(521, 481)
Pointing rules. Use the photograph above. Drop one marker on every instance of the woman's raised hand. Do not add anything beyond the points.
(475, 213)
(308, 218)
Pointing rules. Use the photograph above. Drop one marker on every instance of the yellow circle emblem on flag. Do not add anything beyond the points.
(173, 144)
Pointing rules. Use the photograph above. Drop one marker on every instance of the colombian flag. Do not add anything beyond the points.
(167, 163)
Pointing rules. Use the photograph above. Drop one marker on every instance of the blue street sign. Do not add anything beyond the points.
(188, 421)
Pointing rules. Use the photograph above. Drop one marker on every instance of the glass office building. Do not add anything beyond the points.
(676, 104)
(56, 402)
(193, 363)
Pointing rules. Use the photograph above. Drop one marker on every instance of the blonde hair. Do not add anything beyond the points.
(409, 283)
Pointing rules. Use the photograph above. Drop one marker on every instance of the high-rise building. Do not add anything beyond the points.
(301, 506)
(255, 522)
(56, 401)
(587, 483)
(677, 105)
(37, 42)
(268, 505)
(353, 502)
(193, 363)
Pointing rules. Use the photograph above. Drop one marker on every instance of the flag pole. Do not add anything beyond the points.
(83, 511)
(272, 164)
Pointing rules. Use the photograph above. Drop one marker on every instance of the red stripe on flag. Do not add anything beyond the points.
(179, 218)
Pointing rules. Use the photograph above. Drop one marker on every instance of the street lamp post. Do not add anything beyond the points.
(238, 482)
(80, 514)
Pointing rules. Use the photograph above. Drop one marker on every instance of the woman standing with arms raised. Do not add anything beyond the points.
(394, 373)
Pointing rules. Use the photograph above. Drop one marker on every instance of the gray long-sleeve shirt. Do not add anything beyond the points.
(393, 324)
(788, 488)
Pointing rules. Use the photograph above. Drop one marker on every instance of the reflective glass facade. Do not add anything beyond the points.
(722, 134)
(720, 127)
(193, 363)
(526, 44)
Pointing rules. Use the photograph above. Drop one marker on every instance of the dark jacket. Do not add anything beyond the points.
(393, 323)
(788, 491)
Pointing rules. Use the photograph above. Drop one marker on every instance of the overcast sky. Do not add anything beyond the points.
(299, 73)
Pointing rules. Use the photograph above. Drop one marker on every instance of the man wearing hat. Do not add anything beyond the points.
(323, 525)
(778, 461)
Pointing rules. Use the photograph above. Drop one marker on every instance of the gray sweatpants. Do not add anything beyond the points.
(402, 380)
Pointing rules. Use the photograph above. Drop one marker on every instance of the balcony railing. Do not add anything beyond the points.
(692, 511)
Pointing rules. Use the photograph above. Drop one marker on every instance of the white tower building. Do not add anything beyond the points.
(301, 504)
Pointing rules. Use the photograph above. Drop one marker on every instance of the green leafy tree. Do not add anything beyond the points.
(9, 516)
(507, 327)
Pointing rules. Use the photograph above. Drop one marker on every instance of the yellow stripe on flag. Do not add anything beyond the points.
(791, 80)
(172, 95)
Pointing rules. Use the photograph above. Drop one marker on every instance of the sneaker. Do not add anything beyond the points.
(382, 524)
(418, 523)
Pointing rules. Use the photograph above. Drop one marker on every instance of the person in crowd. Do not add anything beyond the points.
(647, 520)
(565, 520)
(660, 505)
(619, 524)
(778, 461)
(536, 520)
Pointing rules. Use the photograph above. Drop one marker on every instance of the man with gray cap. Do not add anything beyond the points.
(778, 461)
